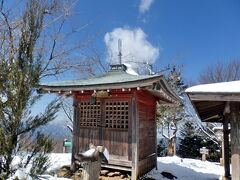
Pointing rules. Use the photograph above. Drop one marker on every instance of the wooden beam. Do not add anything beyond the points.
(210, 114)
(122, 168)
(214, 96)
(119, 162)
(203, 105)
(209, 111)
(218, 108)
(217, 119)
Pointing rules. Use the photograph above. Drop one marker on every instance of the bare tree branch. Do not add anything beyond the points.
(10, 33)
(221, 72)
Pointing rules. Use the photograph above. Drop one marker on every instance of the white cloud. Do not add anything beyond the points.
(145, 5)
(136, 49)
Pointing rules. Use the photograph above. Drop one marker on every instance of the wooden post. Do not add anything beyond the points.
(226, 149)
(64, 147)
(75, 146)
(135, 133)
(235, 139)
(91, 170)
(0, 168)
(223, 153)
(156, 143)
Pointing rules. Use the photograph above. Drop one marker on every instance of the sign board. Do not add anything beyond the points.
(102, 94)
(67, 144)
(204, 150)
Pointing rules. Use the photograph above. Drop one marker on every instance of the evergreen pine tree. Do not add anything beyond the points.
(169, 117)
(21, 66)
(190, 142)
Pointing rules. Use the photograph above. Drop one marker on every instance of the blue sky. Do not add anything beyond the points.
(194, 34)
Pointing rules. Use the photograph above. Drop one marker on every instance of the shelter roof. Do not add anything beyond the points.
(223, 87)
(209, 100)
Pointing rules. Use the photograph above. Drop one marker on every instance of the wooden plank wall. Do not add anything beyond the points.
(117, 143)
(87, 136)
(147, 133)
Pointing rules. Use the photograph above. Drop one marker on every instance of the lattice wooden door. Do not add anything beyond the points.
(115, 131)
(89, 123)
(116, 114)
(105, 123)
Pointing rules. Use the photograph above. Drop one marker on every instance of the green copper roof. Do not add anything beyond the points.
(110, 78)
(117, 78)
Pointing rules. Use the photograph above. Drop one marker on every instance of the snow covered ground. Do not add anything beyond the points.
(187, 169)
(57, 161)
(183, 169)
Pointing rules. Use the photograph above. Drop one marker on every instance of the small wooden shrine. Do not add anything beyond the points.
(117, 110)
(220, 102)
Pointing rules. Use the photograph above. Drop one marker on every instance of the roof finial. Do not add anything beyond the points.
(119, 65)
(120, 51)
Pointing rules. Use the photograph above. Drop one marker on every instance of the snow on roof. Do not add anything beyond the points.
(223, 87)
(130, 70)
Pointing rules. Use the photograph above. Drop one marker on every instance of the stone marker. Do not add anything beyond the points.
(91, 170)
(91, 161)
(204, 151)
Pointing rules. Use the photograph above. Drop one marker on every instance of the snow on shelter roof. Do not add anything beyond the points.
(222, 87)
(209, 100)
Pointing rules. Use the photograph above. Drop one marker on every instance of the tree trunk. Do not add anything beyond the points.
(174, 146)
(170, 149)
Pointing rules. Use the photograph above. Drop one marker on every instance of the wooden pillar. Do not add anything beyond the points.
(75, 144)
(135, 135)
(156, 143)
(235, 139)
(226, 149)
